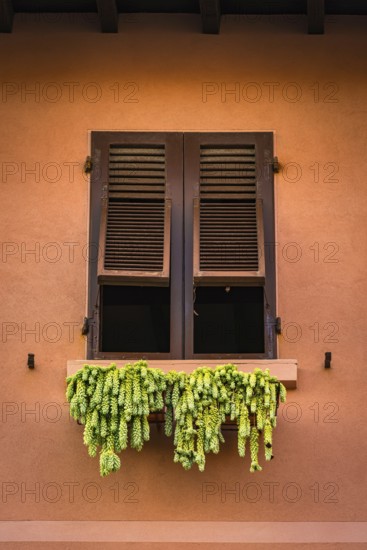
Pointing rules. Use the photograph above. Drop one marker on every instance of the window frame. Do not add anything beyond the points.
(183, 188)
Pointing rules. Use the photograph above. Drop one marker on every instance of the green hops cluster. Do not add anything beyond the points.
(254, 448)
(114, 404)
(202, 401)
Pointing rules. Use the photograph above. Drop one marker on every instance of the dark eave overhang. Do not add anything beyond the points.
(210, 10)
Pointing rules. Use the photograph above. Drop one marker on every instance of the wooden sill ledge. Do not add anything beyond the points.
(284, 369)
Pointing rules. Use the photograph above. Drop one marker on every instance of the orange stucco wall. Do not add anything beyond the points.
(160, 73)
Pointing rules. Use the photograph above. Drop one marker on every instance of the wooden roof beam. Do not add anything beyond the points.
(6, 15)
(108, 15)
(316, 16)
(210, 16)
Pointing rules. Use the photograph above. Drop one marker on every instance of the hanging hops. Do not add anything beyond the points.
(108, 462)
(168, 425)
(114, 405)
(136, 436)
(200, 402)
(123, 433)
(254, 448)
(268, 440)
(282, 392)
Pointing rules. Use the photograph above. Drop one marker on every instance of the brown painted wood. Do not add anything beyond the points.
(6, 15)
(263, 143)
(173, 255)
(316, 16)
(135, 231)
(240, 275)
(108, 15)
(210, 16)
(157, 240)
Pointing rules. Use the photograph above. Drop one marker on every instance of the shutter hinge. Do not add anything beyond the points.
(276, 165)
(278, 325)
(85, 327)
(88, 322)
(88, 165)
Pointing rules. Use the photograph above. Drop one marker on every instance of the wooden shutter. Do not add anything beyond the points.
(228, 230)
(135, 225)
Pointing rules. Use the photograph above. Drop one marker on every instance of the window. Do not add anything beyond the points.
(184, 226)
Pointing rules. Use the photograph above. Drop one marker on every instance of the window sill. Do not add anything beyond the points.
(284, 369)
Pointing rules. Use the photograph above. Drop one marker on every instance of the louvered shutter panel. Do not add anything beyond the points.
(135, 217)
(228, 218)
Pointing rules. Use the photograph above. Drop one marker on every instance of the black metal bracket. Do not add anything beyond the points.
(88, 165)
(278, 325)
(276, 165)
(327, 364)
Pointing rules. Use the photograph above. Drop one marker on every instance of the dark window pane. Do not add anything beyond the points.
(135, 319)
(229, 322)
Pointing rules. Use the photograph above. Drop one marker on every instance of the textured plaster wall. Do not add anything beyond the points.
(311, 92)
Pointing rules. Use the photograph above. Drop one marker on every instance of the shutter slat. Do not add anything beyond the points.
(242, 196)
(225, 189)
(143, 226)
(123, 181)
(155, 150)
(137, 186)
(133, 165)
(219, 160)
(152, 208)
(227, 151)
(121, 195)
(229, 175)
